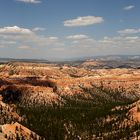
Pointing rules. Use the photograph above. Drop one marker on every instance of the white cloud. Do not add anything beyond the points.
(108, 45)
(30, 1)
(4, 43)
(80, 36)
(13, 36)
(131, 37)
(129, 7)
(58, 49)
(38, 29)
(76, 45)
(129, 31)
(53, 38)
(83, 21)
(7, 42)
(121, 41)
(24, 47)
(15, 30)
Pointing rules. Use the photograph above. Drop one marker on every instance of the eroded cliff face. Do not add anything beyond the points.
(44, 83)
(49, 85)
(10, 127)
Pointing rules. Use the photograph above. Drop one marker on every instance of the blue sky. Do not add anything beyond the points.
(59, 29)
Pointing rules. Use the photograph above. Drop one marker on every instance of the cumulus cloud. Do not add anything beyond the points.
(108, 45)
(129, 31)
(13, 36)
(15, 30)
(83, 21)
(30, 1)
(76, 45)
(121, 41)
(129, 7)
(131, 37)
(79, 36)
(38, 29)
(53, 38)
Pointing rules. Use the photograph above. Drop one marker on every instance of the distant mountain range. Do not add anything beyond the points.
(101, 58)
(5, 60)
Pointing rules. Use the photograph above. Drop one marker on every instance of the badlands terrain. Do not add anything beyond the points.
(81, 100)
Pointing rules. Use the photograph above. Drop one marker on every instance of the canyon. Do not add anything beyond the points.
(86, 100)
